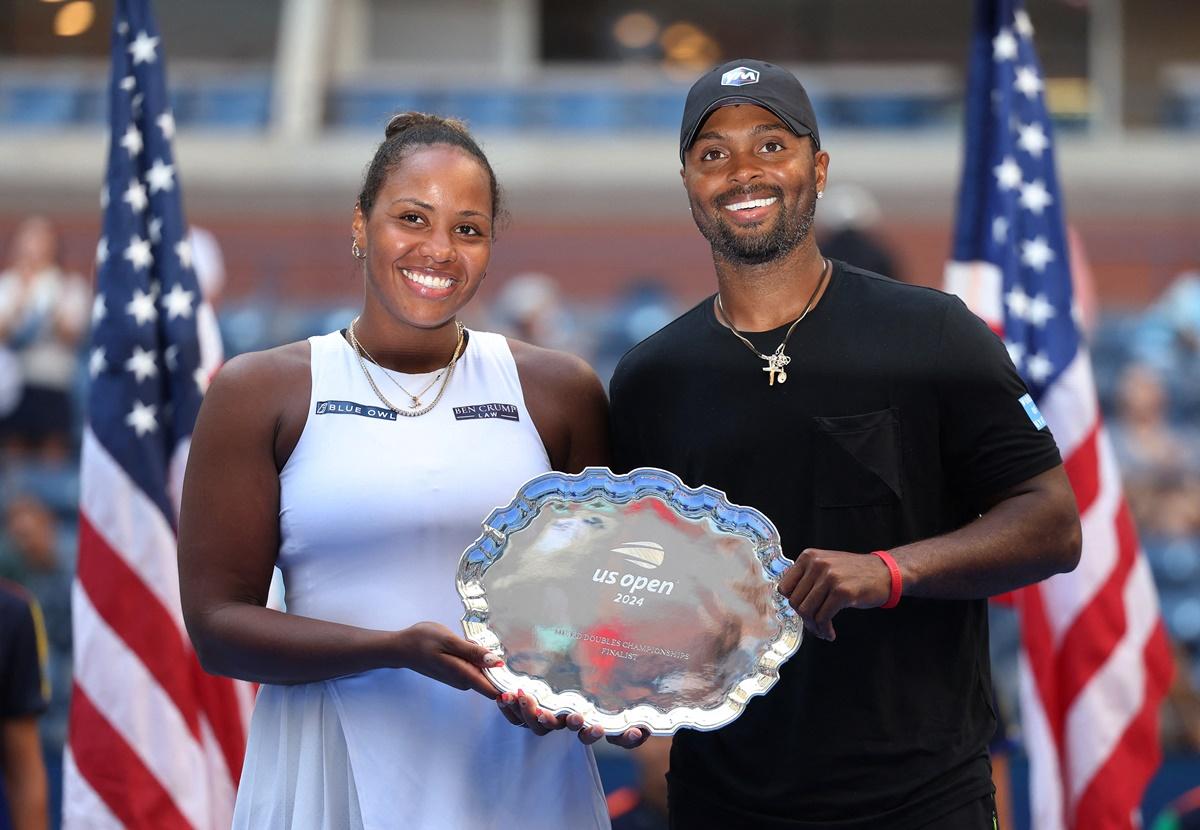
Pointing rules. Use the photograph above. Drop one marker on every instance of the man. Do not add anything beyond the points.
(24, 693)
(883, 429)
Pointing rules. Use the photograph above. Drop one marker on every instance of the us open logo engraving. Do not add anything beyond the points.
(740, 76)
(647, 555)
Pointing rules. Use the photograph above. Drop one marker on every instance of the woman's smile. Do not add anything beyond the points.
(428, 283)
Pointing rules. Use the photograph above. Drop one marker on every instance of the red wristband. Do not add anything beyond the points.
(897, 582)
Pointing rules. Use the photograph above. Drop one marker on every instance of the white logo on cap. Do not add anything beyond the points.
(740, 76)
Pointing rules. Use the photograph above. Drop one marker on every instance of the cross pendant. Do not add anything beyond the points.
(775, 369)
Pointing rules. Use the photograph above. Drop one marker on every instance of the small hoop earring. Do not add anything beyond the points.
(354, 249)
(820, 193)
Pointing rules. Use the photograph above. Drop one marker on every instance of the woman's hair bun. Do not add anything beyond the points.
(403, 121)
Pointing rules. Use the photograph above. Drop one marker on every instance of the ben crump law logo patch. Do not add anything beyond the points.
(479, 411)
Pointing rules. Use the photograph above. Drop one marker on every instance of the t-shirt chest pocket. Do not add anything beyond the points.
(857, 459)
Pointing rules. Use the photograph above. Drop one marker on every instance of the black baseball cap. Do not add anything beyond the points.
(745, 81)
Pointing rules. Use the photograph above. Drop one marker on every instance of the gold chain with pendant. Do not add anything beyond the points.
(777, 360)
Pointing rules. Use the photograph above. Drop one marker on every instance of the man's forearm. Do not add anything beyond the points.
(1027, 536)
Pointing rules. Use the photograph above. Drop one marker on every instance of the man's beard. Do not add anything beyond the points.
(747, 247)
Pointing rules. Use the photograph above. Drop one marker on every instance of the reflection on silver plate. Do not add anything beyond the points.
(632, 599)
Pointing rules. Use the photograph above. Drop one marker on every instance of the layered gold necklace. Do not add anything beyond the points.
(416, 409)
(777, 361)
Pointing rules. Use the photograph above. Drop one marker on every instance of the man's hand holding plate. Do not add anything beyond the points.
(823, 582)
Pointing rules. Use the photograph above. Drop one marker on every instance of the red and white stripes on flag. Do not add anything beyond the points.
(155, 742)
(1095, 662)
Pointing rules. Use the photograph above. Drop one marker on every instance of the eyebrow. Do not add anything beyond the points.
(713, 135)
(427, 206)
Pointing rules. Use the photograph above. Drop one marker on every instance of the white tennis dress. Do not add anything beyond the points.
(374, 513)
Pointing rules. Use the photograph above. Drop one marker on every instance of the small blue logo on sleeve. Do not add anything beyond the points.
(1031, 409)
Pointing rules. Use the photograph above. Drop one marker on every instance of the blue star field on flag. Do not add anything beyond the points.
(146, 384)
(1010, 208)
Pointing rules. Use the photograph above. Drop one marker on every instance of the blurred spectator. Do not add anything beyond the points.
(24, 691)
(209, 265)
(642, 308)
(1181, 814)
(43, 317)
(530, 308)
(644, 806)
(1004, 643)
(847, 218)
(1181, 710)
(1083, 284)
(1160, 463)
(32, 554)
(1169, 340)
(1001, 750)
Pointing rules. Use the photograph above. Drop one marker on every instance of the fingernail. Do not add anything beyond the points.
(493, 659)
(543, 720)
(506, 698)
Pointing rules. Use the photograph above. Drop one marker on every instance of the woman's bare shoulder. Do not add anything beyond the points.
(555, 371)
(282, 364)
(262, 387)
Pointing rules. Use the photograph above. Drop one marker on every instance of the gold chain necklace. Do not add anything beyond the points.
(416, 399)
(447, 372)
(777, 360)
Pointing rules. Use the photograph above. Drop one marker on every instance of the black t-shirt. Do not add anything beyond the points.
(900, 419)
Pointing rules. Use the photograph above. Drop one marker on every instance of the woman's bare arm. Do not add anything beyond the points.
(229, 540)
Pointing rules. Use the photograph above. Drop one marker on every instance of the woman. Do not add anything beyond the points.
(43, 317)
(358, 463)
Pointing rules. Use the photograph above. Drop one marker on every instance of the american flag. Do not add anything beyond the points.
(154, 741)
(1095, 662)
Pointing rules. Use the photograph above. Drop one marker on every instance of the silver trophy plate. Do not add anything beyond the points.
(632, 599)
